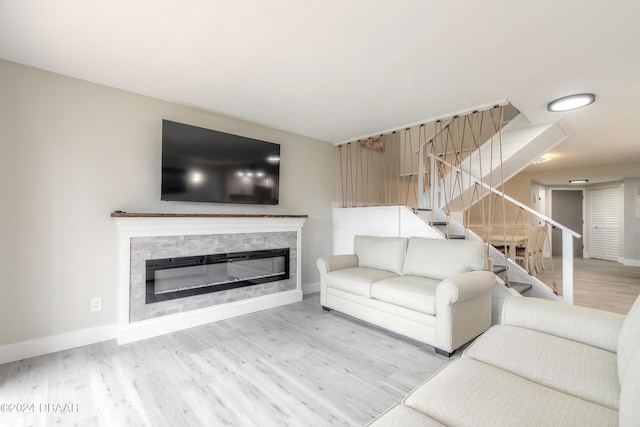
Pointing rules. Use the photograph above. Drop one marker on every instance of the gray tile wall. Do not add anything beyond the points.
(144, 248)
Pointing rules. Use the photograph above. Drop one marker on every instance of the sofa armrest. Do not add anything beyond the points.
(333, 263)
(589, 326)
(464, 287)
(336, 262)
(463, 308)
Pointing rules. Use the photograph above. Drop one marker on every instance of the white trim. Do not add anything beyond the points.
(631, 262)
(51, 344)
(310, 288)
(129, 227)
(146, 329)
(136, 331)
(499, 102)
(183, 226)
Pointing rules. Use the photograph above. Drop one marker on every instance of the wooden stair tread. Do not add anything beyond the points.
(497, 269)
(521, 288)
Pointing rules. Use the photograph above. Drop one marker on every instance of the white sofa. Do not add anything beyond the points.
(547, 364)
(425, 289)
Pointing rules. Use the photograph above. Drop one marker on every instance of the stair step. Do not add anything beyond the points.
(457, 236)
(437, 223)
(497, 269)
(521, 288)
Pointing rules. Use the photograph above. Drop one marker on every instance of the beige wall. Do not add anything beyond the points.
(73, 152)
(518, 187)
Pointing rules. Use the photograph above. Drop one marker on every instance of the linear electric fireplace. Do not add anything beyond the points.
(171, 278)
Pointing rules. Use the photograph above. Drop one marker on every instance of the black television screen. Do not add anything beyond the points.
(203, 165)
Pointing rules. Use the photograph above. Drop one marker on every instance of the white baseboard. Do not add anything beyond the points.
(311, 288)
(631, 262)
(51, 344)
(146, 329)
(137, 331)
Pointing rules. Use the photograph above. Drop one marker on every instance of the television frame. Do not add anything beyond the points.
(210, 166)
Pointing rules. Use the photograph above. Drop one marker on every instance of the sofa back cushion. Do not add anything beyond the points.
(628, 340)
(383, 253)
(441, 259)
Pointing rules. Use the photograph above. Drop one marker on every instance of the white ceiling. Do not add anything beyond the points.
(337, 70)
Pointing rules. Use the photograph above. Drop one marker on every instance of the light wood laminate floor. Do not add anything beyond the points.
(289, 366)
(606, 285)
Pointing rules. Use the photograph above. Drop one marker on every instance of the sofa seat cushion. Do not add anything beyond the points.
(416, 293)
(467, 392)
(357, 280)
(401, 415)
(568, 366)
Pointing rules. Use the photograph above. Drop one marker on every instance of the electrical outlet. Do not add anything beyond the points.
(96, 304)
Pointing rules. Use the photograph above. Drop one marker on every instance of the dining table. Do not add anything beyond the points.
(511, 241)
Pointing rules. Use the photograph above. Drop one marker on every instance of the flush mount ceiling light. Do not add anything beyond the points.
(571, 102)
(578, 181)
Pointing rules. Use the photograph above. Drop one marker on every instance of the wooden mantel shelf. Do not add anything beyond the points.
(118, 214)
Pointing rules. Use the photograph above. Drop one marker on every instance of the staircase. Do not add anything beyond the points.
(455, 230)
(462, 185)
(499, 270)
(454, 181)
(521, 142)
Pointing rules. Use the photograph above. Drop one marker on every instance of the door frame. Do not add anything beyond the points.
(549, 206)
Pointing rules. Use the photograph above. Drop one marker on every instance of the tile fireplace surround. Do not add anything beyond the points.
(151, 236)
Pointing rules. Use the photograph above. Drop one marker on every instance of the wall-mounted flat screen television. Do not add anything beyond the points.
(204, 165)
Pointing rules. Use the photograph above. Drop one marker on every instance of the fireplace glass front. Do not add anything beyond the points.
(171, 278)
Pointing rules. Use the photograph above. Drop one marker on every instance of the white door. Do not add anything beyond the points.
(604, 209)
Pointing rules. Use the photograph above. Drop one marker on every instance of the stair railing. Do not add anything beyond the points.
(567, 234)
